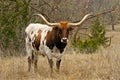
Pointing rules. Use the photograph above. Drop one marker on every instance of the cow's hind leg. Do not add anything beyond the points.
(29, 63)
(35, 60)
(58, 64)
(29, 53)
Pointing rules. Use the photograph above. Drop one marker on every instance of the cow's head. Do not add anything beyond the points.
(63, 30)
(63, 27)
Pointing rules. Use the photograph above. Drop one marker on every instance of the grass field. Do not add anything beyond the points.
(102, 65)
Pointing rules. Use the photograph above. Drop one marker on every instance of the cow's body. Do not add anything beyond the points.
(42, 39)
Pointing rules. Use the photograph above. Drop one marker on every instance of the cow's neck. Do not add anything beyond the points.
(58, 42)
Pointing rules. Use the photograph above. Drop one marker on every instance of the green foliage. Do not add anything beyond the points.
(14, 16)
(98, 32)
(96, 39)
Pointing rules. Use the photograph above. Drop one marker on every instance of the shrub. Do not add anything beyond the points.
(14, 17)
(97, 38)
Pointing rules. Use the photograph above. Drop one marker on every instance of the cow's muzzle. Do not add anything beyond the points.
(64, 40)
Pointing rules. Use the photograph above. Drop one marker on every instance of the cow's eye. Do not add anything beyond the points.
(70, 28)
(68, 31)
(60, 30)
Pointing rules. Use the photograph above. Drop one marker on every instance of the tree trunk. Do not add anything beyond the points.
(113, 27)
(112, 22)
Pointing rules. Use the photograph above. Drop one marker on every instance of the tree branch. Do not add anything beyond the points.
(96, 15)
(40, 12)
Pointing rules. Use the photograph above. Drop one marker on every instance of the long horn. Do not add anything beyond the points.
(81, 21)
(48, 23)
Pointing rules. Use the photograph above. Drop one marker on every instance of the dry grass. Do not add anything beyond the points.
(102, 65)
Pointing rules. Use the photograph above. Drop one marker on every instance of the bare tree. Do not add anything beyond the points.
(57, 10)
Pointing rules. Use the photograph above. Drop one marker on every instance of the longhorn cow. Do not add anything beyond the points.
(44, 38)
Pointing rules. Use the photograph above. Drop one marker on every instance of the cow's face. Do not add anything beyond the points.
(63, 31)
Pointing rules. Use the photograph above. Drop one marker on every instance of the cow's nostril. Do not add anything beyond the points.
(64, 40)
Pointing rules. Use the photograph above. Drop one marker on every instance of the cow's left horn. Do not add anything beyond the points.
(48, 23)
(81, 21)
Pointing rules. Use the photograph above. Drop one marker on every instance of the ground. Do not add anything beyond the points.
(101, 65)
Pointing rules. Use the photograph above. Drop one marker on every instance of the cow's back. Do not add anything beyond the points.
(37, 33)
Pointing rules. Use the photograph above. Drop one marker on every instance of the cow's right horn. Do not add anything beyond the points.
(48, 23)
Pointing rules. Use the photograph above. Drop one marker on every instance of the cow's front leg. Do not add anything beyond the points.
(59, 60)
(58, 64)
(49, 56)
(51, 65)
